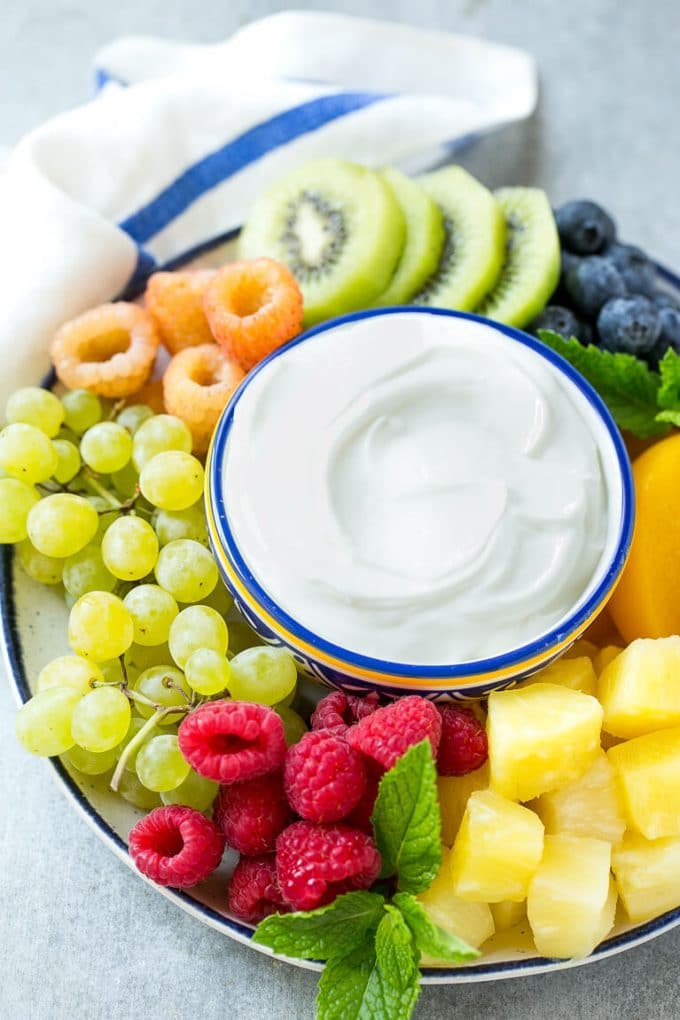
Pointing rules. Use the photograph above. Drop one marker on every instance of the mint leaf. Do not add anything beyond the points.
(627, 385)
(335, 930)
(406, 820)
(429, 937)
(398, 972)
(349, 986)
(669, 391)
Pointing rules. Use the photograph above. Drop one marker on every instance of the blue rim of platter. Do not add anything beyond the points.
(13, 660)
(469, 670)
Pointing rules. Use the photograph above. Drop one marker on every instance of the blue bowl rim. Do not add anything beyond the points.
(459, 671)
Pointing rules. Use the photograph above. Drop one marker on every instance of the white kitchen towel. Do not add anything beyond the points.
(181, 138)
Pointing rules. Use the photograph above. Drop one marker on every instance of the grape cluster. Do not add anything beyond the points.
(107, 500)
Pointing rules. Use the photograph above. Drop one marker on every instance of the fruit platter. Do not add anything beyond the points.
(340, 581)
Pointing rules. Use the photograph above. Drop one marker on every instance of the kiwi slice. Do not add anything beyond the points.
(338, 228)
(474, 245)
(424, 239)
(532, 261)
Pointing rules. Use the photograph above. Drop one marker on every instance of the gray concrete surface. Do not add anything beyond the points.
(80, 937)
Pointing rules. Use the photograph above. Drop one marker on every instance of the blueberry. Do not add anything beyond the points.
(592, 282)
(657, 352)
(567, 262)
(663, 300)
(559, 320)
(584, 227)
(670, 327)
(631, 325)
(638, 272)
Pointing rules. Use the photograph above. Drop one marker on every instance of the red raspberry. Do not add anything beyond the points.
(316, 863)
(324, 777)
(252, 814)
(254, 889)
(463, 747)
(230, 741)
(361, 816)
(337, 711)
(386, 734)
(176, 846)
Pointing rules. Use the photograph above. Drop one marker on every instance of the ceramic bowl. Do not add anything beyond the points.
(352, 672)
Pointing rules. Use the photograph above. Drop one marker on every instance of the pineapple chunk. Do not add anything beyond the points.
(640, 688)
(580, 648)
(648, 769)
(497, 850)
(453, 792)
(648, 875)
(605, 656)
(508, 914)
(541, 737)
(577, 673)
(470, 921)
(572, 899)
(590, 806)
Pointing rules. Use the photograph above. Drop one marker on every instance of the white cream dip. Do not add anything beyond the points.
(417, 488)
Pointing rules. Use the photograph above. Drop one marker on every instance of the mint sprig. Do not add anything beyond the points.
(429, 937)
(628, 386)
(669, 390)
(372, 948)
(335, 930)
(407, 822)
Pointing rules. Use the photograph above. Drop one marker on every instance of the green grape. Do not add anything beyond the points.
(220, 599)
(106, 447)
(196, 792)
(68, 463)
(62, 524)
(69, 671)
(68, 436)
(152, 610)
(134, 793)
(242, 636)
(172, 480)
(43, 569)
(91, 763)
(112, 671)
(294, 726)
(158, 434)
(287, 701)
(125, 481)
(85, 571)
(17, 499)
(43, 724)
(133, 416)
(187, 570)
(141, 657)
(207, 672)
(101, 719)
(38, 407)
(27, 453)
(197, 627)
(136, 723)
(69, 600)
(190, 523)
(82, 410)
(161, 765)
(105, 522)
(100, 627)
(154, 683)
(130, 548)
(265, 675)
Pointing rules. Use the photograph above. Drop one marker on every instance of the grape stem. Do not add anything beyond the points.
(136, 742)
(168, 682)
(107, 495)
(116, 409)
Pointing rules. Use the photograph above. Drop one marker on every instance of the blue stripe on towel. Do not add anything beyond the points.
(235, 155)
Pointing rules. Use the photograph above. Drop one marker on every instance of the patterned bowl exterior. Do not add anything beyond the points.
(356, 674)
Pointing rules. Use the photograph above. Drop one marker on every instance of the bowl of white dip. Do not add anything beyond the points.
(417, 500)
